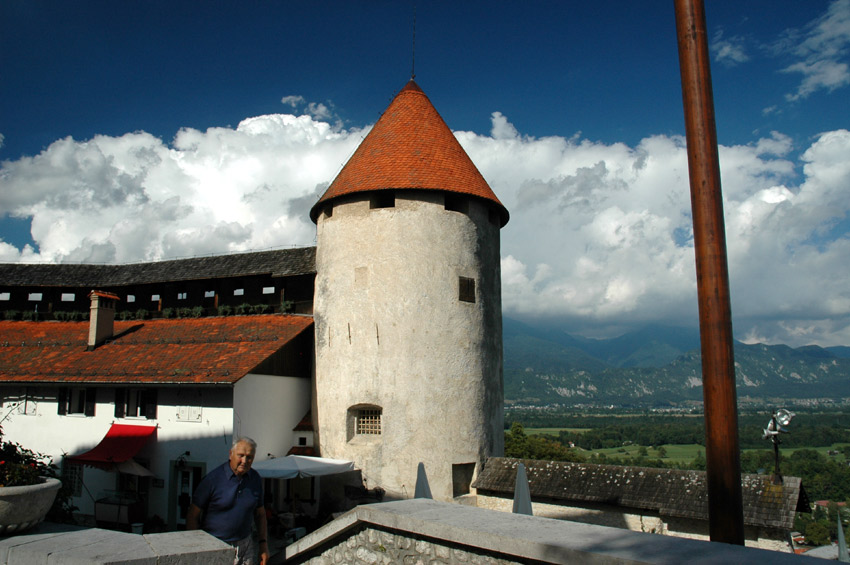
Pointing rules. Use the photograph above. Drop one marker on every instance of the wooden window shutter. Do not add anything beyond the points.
(91, 398)
(120, 401)
(62, 401)
(149, 397)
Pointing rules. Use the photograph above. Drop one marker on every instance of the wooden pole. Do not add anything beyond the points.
(725, 501)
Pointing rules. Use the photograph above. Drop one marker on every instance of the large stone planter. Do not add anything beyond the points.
(24, 507)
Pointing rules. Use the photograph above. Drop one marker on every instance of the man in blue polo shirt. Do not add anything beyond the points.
(229, 500)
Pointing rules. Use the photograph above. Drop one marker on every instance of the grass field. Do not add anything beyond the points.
(674, 453)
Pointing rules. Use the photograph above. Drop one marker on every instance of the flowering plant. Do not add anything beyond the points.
(20, 466)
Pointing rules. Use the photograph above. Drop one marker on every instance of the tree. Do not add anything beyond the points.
(662, 452)
(817, 533)
(516, 442)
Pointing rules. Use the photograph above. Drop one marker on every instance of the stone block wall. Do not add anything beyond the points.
(370, 546)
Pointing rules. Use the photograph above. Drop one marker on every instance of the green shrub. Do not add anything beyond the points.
(184, 312)
(126, 315)
(260, 308)
(142, 314)
(243, 309)
(28, 315)
(197, 311)
(225, 310)
(12, 314)
(168, 313)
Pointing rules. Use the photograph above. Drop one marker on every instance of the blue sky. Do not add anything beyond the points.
(146, 130)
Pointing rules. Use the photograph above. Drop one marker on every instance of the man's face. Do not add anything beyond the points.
(241, 458)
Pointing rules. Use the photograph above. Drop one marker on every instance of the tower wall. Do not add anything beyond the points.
(392, 334)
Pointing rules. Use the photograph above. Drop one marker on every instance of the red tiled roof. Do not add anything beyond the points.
(104, 294)
(218, 350)
(410, 147)
(302, 450)
(306, 423)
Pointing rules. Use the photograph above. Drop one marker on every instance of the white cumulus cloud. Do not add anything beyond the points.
(600, 235)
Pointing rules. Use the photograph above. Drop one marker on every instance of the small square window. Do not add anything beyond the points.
(131, 298)
(368, 422)
(181, 296)
(456, 203)
(302, 440)
(35, 297)
(383, 199)
(239, 292)
(155, 298)
(466, 289)
(5, 296)
(493, 216)
(68, 297)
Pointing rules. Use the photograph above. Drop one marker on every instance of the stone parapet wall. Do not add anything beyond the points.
(606, 515)
(370, 546)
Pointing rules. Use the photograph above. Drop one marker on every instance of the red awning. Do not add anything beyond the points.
(120, 443)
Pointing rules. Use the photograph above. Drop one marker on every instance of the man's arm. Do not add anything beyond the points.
(262, 532)
(193, 518)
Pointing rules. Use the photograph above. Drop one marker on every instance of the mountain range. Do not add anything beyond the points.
(659, 366)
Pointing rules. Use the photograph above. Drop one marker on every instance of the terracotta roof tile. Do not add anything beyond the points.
(410, 147)
(202, 351)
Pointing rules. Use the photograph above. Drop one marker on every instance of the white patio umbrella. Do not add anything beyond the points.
(293, 466)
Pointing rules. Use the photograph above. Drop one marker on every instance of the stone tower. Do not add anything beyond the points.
(408, 312)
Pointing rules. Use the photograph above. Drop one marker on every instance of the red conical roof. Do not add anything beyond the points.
(410, 147)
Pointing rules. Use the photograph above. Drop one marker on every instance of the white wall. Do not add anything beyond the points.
(266, 408)
(391, 332)
(44, 431)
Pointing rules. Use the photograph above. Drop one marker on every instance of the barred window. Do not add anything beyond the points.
(369, 421)
(72, 477)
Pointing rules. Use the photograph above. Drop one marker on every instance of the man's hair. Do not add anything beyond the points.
(249, 441)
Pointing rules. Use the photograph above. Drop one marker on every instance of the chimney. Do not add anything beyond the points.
(102, 318)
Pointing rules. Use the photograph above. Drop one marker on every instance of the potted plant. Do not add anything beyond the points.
(28, 487)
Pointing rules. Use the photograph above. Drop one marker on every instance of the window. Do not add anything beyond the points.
(181, 296)
(368, 422)
(456, 203)
(239, 292)
(68, 297)
(5, 296)
(135, 403)
(21, 401)
(80, 401)
(302, 440)
(383, 199)
(35, 297)
(154, 298)
(466, 289)
(494, 217)
(268, 290)
(72, 477)
(364, 422)
(462, 478)
(209, 294)
(131, 298)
